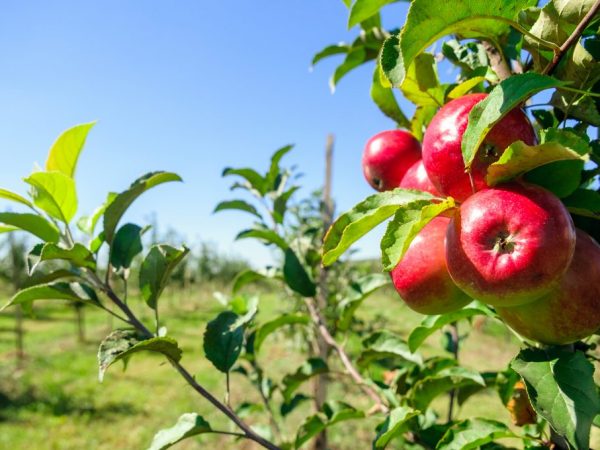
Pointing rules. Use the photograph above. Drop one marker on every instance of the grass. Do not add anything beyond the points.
(56, 401)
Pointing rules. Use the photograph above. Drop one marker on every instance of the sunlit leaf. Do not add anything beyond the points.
(65, 151)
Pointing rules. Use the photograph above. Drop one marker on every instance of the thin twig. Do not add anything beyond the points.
(356, 376)
(558, 54)
(134, 321)
(265, 400)
(227, 390)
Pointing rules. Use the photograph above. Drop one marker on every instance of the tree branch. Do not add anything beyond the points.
(135, 322)
(497, 60)
(558, 54)
(352, 371)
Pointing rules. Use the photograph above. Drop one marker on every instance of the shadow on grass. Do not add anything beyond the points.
(55, 401)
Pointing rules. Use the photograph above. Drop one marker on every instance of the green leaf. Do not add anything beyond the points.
(362, 10)
(14, 197)
(7, 229)
(428, 388)
(567, 138)
(561, 388)
(248, 313)
(577, 106)
(223, 341)
(65, 151)
(120, 204)
(472, 434)
(385, 100)
(269, 327)
(394, 425)
(78, 255)
(330, 50)
(46, 278)
(584, 202)
(358, 291)
(274, 173)
(296, 276)
(421, 119)
(240, 205)
(405, 226)
(555, 22)
(421, 85)
(354, 58)
(519, 158)
(280, 204)
(332, 412)
(561, 178)
(156, 270)
(365, 216)
(429, 20)
(121, 344)
(288, 406)
(126, 245)
(502, 99)
(96, 243)
(469, 56)
(54, 193)
(250, 276)
(53, 291)
(433, 323)
(88, 224)
(309, 369)
(269, 236)
(190, 424)
(32, 223)
(254, 179)
(464, 87)
(385, 344)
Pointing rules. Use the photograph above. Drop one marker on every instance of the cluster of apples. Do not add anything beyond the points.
(512, 246)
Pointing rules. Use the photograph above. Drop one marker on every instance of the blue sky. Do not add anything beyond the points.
(189, 87)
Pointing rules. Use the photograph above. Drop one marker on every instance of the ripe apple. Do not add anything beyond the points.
(421, 277)
(387, 157)
(507, 245)
(571, 311)
(442, 153)
(416, 178)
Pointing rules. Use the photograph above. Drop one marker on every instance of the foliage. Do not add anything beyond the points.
(553, 47)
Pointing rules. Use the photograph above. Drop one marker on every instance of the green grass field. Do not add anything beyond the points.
(56, 401)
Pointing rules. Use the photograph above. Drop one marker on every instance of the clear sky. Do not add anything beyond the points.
(185, 86)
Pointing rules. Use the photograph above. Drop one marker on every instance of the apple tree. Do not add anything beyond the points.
(486, 166)
(495, 216)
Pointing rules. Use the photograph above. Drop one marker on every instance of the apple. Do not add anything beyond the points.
(421, 277)
(387, 157)
(508, 245)
(442, 153)
(571, 311)
(416, 178)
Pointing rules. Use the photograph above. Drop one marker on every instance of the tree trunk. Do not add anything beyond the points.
(320, 386)
(80, 317)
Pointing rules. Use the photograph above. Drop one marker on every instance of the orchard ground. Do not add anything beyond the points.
(56, 401)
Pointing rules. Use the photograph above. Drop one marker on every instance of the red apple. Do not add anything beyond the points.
(571, 311)
(507, 245)
(387, 157)
(416, 178)
(442, 153)
(421, 277)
